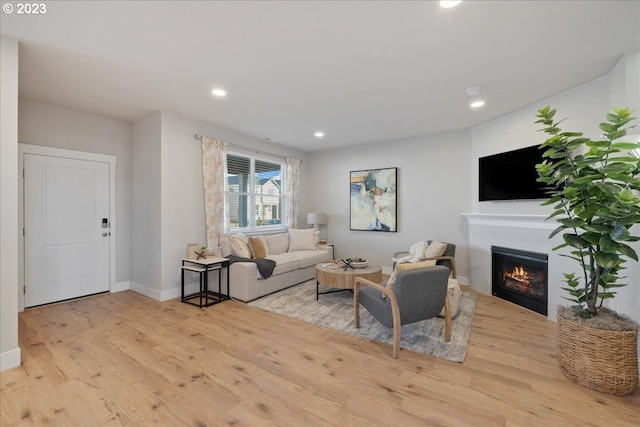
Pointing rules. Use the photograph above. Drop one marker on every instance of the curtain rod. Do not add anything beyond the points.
(240, 147)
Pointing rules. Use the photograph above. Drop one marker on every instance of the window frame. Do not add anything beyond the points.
(252, 215)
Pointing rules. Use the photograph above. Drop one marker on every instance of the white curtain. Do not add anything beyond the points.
(292, 182)
(214, 168)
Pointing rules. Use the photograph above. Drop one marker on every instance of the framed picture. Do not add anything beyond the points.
(373, 200)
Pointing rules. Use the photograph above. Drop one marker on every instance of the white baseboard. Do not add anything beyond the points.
(10, 359)
(162, 295)
(120, 286)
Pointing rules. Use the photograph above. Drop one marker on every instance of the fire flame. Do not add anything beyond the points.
(519, 274)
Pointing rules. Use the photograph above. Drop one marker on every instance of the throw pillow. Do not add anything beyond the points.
(239, 246)
(435, 249)
(407, 266)
(455, 297)
(278, 244)
(256, 247)
(263, 239)
(301, 240)
(417, 250)
(226, 246)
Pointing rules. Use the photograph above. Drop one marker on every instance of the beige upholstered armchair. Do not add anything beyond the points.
(447, 259)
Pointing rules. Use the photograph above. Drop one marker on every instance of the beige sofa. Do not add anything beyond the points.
(295, 253)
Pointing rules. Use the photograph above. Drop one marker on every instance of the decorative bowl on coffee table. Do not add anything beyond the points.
(356, 262)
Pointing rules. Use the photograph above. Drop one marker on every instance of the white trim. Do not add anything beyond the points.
(154, 293)
(161, 296)
(120, 286)
(10, 359)
(67, 154)
(511, 220)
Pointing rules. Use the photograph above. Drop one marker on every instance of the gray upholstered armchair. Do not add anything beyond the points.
(418, 294)
(447, 259)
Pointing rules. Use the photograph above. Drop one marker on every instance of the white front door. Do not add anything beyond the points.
(66, 219)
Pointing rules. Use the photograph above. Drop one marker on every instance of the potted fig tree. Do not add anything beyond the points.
(594, 190)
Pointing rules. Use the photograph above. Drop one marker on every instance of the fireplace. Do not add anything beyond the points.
(520, 277)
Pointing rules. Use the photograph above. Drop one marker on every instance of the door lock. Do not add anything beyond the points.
(105, 234)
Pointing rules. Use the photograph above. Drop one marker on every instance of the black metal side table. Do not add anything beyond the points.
(205, 297)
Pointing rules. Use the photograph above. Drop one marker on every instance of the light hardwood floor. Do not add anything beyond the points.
(124, 359)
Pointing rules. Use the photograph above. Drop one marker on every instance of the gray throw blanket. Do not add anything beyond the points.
(265, 266)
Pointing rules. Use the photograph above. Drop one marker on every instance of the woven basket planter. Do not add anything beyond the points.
(605, 361)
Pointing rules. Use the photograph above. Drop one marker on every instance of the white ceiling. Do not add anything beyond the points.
(361, 71)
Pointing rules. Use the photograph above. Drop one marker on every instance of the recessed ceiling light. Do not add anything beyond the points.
(449, 4)
(219, 92)
(477, 104)
(319, 134)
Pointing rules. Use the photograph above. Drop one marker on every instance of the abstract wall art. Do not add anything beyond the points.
(373, 200)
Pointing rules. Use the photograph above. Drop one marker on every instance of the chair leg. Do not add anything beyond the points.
(356, 305)
(395, 314)
(447, 318)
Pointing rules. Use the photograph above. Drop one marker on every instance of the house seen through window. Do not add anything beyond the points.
(255, 193)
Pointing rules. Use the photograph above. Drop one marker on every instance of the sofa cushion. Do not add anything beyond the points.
(287, 261)
(301, 240)
(309, 258)
(278, 243)
(257, 247)
(239, 246)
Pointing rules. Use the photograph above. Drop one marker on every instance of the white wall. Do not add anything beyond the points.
(168, 207)
(625, 92)
(625, 84)
(146, 226)
(9, 350)
(53, 126)
(585, 107)
(433, 191)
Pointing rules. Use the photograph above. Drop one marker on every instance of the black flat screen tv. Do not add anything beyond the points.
(511, 175)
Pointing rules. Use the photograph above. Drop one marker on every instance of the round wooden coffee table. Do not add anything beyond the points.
(336, 277)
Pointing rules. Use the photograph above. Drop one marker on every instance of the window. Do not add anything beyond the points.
(255, 192)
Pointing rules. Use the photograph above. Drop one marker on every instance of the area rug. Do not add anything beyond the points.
(335, 311)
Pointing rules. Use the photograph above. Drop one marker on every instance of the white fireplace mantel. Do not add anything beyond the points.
(524, 232)
(531, 232)
(510, 220)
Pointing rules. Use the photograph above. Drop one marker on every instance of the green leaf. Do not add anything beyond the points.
(556, 231)
(607, 244)
(617, 134)
(607, 295)
(627, 251)
(606, 260)
(619, 232)
(576, 241)
(626, 145)
(597, 144)
(587, 179)
(571, 222)
(607, 127)
(593, 238)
